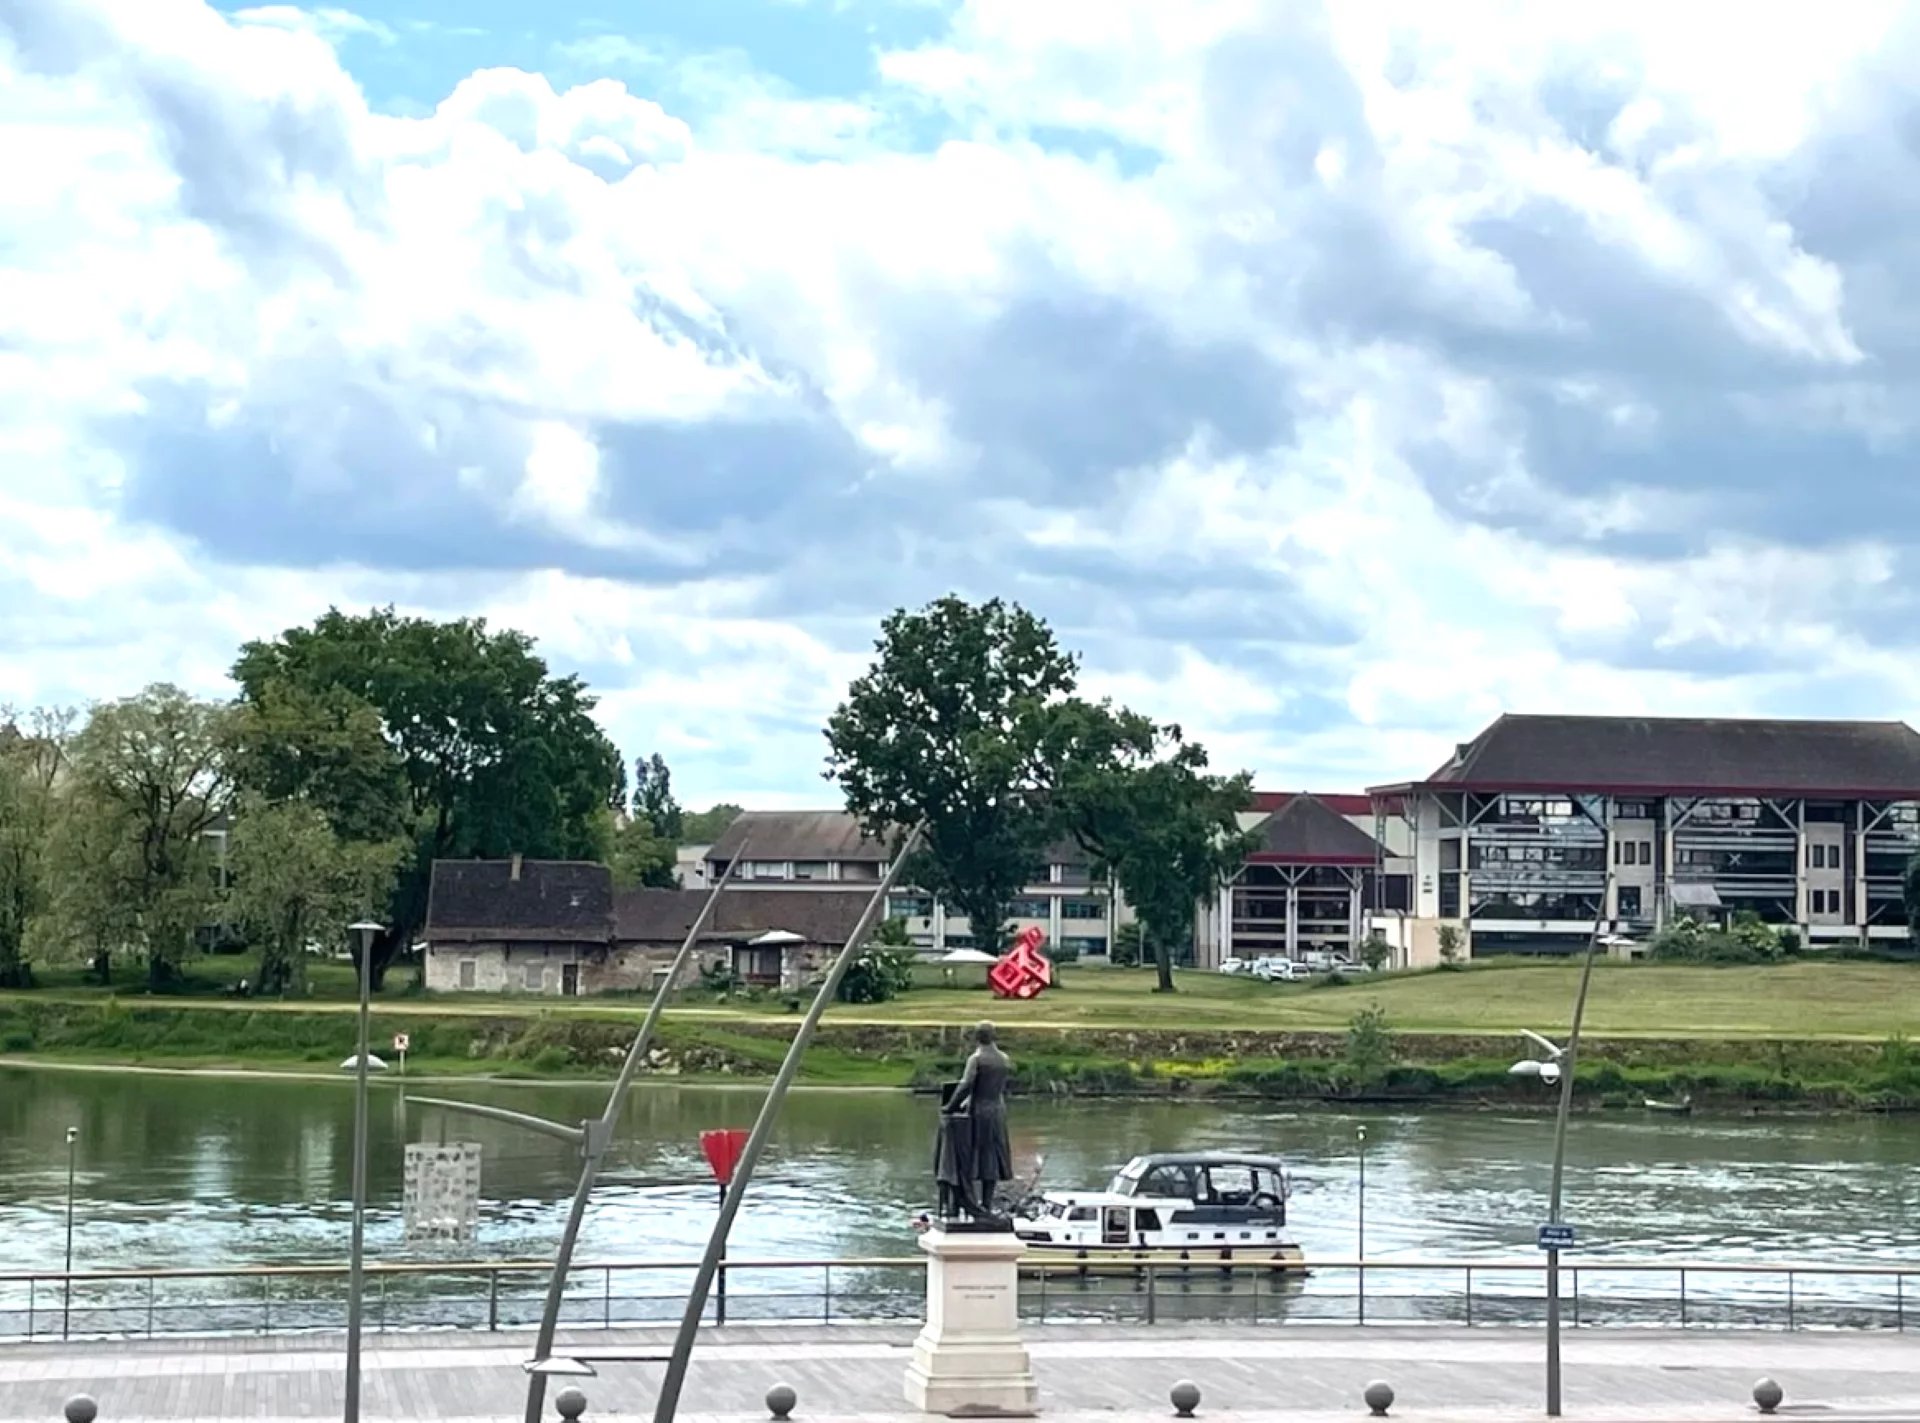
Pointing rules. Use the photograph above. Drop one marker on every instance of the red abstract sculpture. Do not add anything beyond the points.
(1022, 971)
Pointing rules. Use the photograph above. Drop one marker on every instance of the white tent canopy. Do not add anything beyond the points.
(967, 956)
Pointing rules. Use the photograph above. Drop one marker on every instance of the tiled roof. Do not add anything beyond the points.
(1306, 830)
(1340, 802)
(662, 916)
(1683, 755)
(798, 835)
(556, 900)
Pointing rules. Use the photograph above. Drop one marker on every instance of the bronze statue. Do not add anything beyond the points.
(972, 1154)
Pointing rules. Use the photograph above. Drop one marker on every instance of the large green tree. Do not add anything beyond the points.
(150, 780)
(1138, 797)
(33, 755)
(298, 884)
(951, 726)
(492, 754)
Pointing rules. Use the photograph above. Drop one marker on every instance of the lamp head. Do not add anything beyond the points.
(1527, 1068)
(73, 1135)
(1549, 1072)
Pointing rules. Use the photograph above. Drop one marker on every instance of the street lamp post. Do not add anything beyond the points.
(1360, 1136)
(356, 1254)
(1558, 1067)
(66, 1295)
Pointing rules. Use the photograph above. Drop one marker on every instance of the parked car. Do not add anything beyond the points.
(1278, 968)
(1233, 965)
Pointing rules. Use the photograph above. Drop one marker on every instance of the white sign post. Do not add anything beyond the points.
(400, 1041)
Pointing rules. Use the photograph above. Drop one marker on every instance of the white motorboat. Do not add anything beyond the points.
(1200, 1207)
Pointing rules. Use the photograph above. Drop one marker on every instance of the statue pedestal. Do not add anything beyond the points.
(968, 1361)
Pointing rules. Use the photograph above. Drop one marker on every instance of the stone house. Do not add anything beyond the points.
(559, 928)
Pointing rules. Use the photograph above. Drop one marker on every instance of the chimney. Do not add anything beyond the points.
(515, 874)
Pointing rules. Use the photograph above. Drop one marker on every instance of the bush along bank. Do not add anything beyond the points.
(1368, 1063)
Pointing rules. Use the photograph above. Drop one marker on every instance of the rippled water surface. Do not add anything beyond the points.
(187, 1170)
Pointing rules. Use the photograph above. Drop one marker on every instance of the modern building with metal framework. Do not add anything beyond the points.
(1542, 826)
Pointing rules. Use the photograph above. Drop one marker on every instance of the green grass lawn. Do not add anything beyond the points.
(1804, 998)
(1799, 999)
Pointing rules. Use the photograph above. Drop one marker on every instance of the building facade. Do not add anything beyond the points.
(823, 850)
(1543, 828)
(1308, 889)
(559, 929)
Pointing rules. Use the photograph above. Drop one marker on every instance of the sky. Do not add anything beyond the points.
(1333, 377)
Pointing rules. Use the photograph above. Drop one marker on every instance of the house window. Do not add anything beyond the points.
(1029, 909)
(910, 906)
(469, 973)
(809, 869)
(1083, 909)
(536, 976)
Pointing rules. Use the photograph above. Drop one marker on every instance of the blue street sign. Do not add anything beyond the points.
(1556, 1237)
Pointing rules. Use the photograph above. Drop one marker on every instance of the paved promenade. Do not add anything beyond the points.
(1302, 1375)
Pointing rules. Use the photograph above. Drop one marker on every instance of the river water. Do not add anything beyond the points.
(196, 1171)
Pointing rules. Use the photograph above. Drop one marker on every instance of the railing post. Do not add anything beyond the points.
(149, 1306)
(1683, 1298)
(1900, 1303)
(1576, 1296)
(1469, 1296)
(493, 1301)
(606, 1296)
(266, 1304)
(380, 1322)
(30, 1294)
(826, 1294)
(1153, 1311)
(1043, 1292)
(1789, 1301)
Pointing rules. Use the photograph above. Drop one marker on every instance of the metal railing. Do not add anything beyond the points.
(1083, 1287)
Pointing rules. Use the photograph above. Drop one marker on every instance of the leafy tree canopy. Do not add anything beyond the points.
(150, 780)
(491, 753)
(653, 798)
(951, 726)
(703, 827)
(1138, 797)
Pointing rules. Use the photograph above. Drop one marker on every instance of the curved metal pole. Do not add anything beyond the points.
(597, 1136)
(669, 1400)
(1567, 1065)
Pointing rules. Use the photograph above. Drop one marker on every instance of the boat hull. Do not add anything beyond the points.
(1057, 1261)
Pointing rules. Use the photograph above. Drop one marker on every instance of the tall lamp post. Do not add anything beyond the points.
(1360, 1136)
(66, 1295)
(356, 1254)
(1558, 1067)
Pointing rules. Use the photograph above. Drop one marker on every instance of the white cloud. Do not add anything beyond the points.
(1342, 378)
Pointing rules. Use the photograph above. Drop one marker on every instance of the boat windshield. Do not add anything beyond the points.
(1212, 1183)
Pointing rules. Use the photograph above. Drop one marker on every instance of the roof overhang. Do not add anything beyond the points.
(1270, 857)
(465, 935)
(1649, 791)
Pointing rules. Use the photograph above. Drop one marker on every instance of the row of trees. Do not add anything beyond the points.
(358, 751)
(970, 724)
(364, 747)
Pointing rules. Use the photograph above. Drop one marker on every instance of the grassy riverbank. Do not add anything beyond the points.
(1821, 1034)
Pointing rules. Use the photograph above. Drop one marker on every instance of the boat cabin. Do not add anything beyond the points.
(1186, 1202)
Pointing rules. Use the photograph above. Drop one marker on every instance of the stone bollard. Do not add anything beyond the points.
(1186, 1398)
(1379, 1397)
(571, 1402)
(780, 1400)
(1767, 1395)
(81, 1409)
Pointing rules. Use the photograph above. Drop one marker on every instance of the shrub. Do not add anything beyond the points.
(879, 973)
(1126, 949)
(1449, 942)
(1369, 1048)
(1375, 951)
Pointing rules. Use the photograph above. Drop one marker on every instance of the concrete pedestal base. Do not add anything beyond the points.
(968, 1361)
